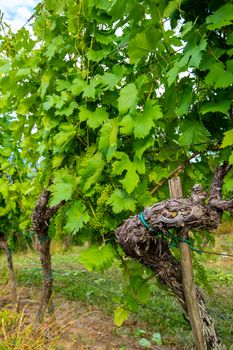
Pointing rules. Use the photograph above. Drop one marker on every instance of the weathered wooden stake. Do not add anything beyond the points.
(189, 287)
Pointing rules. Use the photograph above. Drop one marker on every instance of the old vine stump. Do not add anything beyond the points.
(153, 250)
(41, 216)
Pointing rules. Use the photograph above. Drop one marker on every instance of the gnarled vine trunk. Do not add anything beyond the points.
(40, 223)
(151, 248)
(4, 246)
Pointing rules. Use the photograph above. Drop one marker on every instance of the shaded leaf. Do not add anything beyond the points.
(143, 44)
(143, 123)
(185, 101)
(218, 77)
(193, 132)
(221, 106)
(221, 17)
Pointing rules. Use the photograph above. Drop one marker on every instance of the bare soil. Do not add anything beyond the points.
(78, 325)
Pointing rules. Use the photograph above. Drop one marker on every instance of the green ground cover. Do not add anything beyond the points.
(162, 315)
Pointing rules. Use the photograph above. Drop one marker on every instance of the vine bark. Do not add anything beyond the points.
(153, 251)
(41, 216)
(4, 246)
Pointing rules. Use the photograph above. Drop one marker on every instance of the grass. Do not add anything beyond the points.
(161, 316)
(18, 332)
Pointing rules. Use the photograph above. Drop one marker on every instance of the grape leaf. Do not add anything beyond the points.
(76, 217)
(61, 139)
(4, 66)
(97, 56)
(78, 86)
(23, 71)
(171, 8)
(143, 144)
(126, 124)
(120, 315)
(94, 119)
(142, 44)
(53, 47)
(63, 85)
(218, 77)
(120, 201)
(231, 158)
(90, 170)
(221, 17)
(185, 101)
(221, 106)
(144, 122)
(108, 138)
(97, 258)
(128, 98)
(61, 191)
(90, 89)
(131, 178)
(141, 288)
(45, 81)
(228, 138)
(193, 132)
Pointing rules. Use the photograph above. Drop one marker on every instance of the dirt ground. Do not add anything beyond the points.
(80, 326)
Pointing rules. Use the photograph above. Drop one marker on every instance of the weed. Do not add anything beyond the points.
(166, 323)
(18, 333)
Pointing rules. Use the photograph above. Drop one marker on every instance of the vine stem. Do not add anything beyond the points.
(175, 172)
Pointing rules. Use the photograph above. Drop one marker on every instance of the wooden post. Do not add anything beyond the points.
(189, 287)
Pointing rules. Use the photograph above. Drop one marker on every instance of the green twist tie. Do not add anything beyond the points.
(177, 239)
(43, 239)
(48, 278)
(146, 225)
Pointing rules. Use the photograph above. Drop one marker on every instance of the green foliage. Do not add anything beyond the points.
(120, 315)
(102, 103)
(97, 258)
(98, 103)
(228, 138)
(120, 201)
(77, 217)
(104, 289)
(128, 99)
(222, 17)
(193, 132)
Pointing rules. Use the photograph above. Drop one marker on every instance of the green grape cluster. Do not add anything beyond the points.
(59, 223)
(98, 221)
(105, 192)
